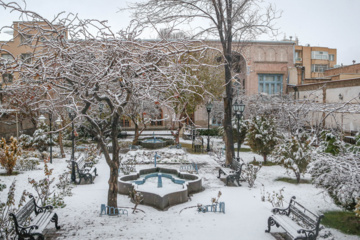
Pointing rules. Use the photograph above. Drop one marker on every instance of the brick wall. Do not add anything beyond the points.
(345, 69)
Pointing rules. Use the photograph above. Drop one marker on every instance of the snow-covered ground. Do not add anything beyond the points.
(245, 218)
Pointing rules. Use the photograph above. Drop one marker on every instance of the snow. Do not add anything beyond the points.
(245, 214)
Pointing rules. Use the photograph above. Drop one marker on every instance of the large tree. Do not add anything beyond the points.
(227, 20)
(85, 65)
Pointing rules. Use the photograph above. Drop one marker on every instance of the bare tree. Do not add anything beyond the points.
(95, 72)
(141, 114)
(228, 20)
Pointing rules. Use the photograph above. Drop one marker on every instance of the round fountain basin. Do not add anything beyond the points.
(154, 143)
(153, 140)
(175, 189)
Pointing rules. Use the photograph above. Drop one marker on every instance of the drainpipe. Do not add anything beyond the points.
(302, 75)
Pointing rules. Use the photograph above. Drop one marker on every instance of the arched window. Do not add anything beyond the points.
(270, 55)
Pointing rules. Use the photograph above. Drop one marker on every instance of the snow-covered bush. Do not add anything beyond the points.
(92, 155)
(276, 198)
(262, 135)
(128, 166)
(26, 164)
(167, 156)
(43, 187)
(340, 175)
(294, 154)
(41, 139)
(357, 208)
(249, 173)
(331, 143)
(239, 137)
(355, 148)
(64, 184)
(25, 141)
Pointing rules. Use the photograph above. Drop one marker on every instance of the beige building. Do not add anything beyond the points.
(311, 62)
(18, 46)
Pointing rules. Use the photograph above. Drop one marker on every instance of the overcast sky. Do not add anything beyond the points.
(327, 23)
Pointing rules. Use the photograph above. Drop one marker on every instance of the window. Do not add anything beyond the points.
(216, 121)
(26, 57)
(318, 68)
(270, 83)
(319, 55)
(25, 38)
(7, 78)
(124, 122)
(331, 57)
(7, 57)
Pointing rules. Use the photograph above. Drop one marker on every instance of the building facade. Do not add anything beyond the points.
(312, 62)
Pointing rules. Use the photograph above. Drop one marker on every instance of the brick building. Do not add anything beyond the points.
(311, 62)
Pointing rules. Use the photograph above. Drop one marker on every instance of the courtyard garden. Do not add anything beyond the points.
(246, 212)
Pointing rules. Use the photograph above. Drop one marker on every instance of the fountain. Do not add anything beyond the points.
(161, 187)
(155, 143)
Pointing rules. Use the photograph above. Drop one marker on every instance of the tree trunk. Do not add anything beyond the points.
(61, 145)
(229, 140)
(297, 177)
(114, 164)
(62, 152)
(137, 134)
(113, 187)
(265, 158)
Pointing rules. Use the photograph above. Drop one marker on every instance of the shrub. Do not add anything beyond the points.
(262, 136)
(210, 132)
(26, 141)
(9, 154)
(295, 154)
(331, 143)
(26, 164)
(239, 137)
(43, 186)
(357, 208)
(340, 175)
(276, 199)
(249, 173)
(92, 155)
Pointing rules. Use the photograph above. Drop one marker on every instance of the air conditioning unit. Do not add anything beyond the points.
(298, 59)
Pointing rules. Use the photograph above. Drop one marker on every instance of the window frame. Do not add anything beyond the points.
(271, 84)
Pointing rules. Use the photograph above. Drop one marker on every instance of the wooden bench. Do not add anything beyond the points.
(296, 220)
(31, 220)
(84, 170)
(233, 174)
